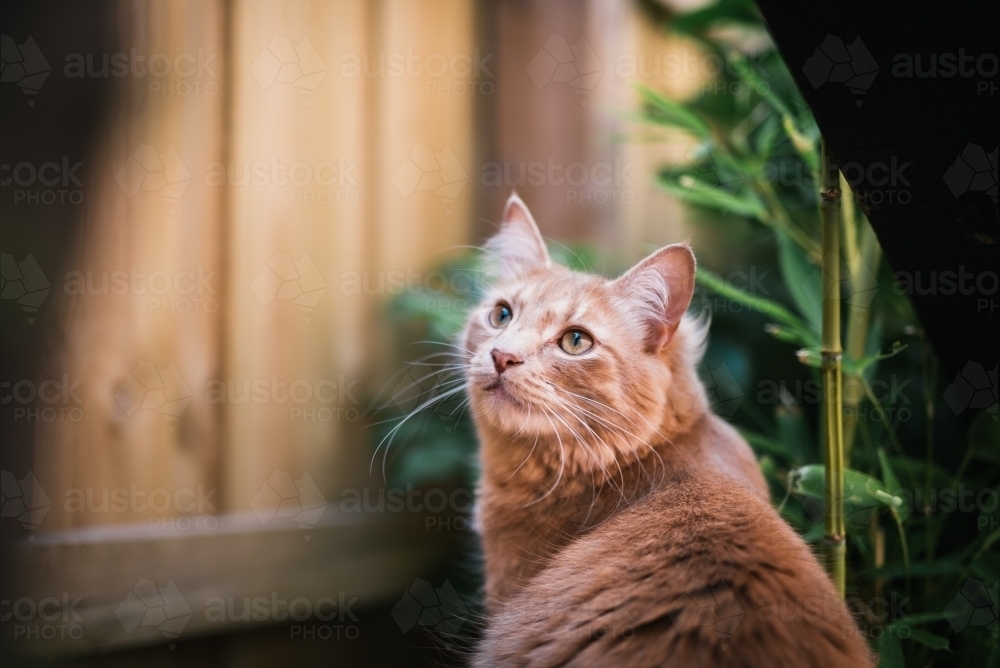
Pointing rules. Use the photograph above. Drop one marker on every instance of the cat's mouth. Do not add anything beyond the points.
(498, 388)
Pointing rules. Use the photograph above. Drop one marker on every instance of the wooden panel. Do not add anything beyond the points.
(299, 129)
(424, 122)
(293, 173)
(381, 218)
(146, 213)
(232, 559)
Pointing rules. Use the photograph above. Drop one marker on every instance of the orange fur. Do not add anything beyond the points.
(623, 523)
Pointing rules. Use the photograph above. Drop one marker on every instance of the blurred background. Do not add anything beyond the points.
(237, 237)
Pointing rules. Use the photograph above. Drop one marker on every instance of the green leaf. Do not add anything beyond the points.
(794, 433)
(919, 618)
(789, 335)
(689, 187)
(814, 534)
(723, 11)
(759, 304)
(804, 143)
(746, 73)
(862, 493)
(766, 444)
(802, 279)
(811, 357)
(858, 367)
(890, 651)
(888, 475)
(918, 467)
(984, 437)
(767, 137)
(918, 569)
(664, 111)
(796, 516)
(928, 639)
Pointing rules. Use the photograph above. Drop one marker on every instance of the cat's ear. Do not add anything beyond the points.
(660, 290)
(518, 246)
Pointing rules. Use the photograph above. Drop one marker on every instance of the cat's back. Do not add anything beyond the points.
(702, 572)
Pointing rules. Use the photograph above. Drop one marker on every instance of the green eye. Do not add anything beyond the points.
(576, 342)
(500, 315)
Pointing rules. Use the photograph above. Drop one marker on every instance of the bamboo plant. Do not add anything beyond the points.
(831, 365)
(758, 175)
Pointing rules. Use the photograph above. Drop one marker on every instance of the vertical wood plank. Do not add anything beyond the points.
(139, 358)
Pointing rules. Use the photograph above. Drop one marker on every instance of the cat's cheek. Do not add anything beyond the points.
(475, 337)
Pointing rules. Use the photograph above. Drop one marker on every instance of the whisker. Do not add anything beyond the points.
(607, 475)
(529, 453)
(562, 462)
(593, 455)
(403, 421)
(416, 383)
(611, 424)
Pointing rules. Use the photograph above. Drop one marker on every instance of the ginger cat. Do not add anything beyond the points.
(623, 523)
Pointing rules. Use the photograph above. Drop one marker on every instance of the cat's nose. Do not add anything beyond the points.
(502, 360)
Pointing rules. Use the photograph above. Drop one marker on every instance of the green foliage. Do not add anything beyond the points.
(423, 434)
(910, 536)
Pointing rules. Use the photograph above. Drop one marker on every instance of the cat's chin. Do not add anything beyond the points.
(499, 394)
(501, 406)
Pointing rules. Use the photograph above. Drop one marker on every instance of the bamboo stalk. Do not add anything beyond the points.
(832, 359)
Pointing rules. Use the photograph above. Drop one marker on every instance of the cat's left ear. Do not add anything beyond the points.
(660, 289)
(518, 246)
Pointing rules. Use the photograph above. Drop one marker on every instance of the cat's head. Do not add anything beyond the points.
(585, 364)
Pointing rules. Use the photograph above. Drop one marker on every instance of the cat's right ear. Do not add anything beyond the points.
(518, 247)
(660, 287)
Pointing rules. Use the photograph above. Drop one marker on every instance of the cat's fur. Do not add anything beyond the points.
(623, 523)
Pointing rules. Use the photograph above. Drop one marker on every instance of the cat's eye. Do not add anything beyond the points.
(576, 342)
(500, 315)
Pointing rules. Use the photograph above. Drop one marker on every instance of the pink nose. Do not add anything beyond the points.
(502, 360)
